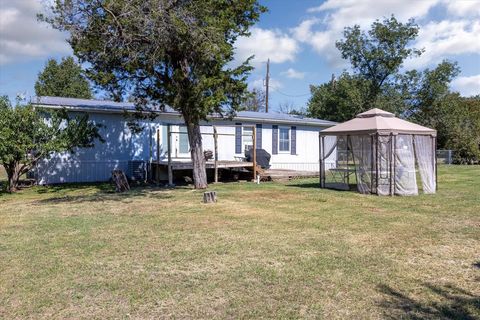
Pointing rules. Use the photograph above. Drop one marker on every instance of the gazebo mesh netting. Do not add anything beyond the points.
(377, 153)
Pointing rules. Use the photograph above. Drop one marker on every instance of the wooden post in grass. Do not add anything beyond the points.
(157, 167)
(169, 144)
(254, 133)
(215, 142)
(210, 197)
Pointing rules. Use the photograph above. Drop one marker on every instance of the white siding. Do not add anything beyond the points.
(121, 145)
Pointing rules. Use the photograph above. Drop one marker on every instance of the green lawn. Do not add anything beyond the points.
(263, 251)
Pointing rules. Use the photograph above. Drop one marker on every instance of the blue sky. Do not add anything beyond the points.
(298, 37)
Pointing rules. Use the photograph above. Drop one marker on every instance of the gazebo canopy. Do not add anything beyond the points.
(378, 121)
(378, 153)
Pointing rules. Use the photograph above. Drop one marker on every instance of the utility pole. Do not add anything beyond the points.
(267, 79)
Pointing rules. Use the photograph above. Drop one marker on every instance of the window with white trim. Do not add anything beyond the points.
(284, 139)
(183, 145)
(247, 138)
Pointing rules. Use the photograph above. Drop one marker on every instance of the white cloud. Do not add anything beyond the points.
(323, 42)
(322, 33)
(463, 8)
(265, 44)
(440, 39)
(445, 38)
(23, 37)
(348, 12)
(293, 74)
(259, 83)
(467, 86)
(304, 30)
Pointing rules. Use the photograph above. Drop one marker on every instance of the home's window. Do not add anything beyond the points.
(284, 139)
(247, 138)
(165, 139)
(183, 145)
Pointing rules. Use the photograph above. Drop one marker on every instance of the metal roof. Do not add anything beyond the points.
(105, 106)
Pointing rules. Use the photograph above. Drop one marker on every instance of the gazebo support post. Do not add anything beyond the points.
(371, 163)
(353, 159)
(254, 155)
(348, 173)
(322, 182)
(391, 163)
(376, 163)
(320, 159)
(415, 162)
(435, 162)
(394, 163)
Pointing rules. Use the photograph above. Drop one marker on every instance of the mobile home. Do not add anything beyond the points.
(292, 141)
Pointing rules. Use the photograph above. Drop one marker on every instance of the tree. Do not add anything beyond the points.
(254, 100)
(377, 56)
(457, 121)
(422, 91)
(161, 52)
(338, 100)
(28, 135)
(287, 107)
(464, 139)
(423, 97)
(64, 79)
(376, 81)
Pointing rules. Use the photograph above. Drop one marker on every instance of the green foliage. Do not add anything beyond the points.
(457, 120)
(423, 97)
(162, 52)
(254, 100)
(283, 250)
(422, 91)
(428, 101)
(28, 135)
(377, 56)
(64, 79)
(338, 100)
(288, 107)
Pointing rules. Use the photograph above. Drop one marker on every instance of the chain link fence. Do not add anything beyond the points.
(445, 156)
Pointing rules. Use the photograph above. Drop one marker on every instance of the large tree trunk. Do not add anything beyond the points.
(198, 159)
(13, 174)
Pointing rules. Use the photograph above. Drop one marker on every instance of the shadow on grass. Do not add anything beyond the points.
(304, 185)
(316, 185)
(69, 187)
(101, 192)
(452, 303)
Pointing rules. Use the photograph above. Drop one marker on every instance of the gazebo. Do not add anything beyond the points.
(378, 153)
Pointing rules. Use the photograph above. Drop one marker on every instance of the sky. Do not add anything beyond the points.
(298, 36)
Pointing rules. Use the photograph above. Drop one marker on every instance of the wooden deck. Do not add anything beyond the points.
(285, 174)
(265, 175)
(222, 164)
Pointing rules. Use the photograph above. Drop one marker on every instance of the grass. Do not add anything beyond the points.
(263, 251)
